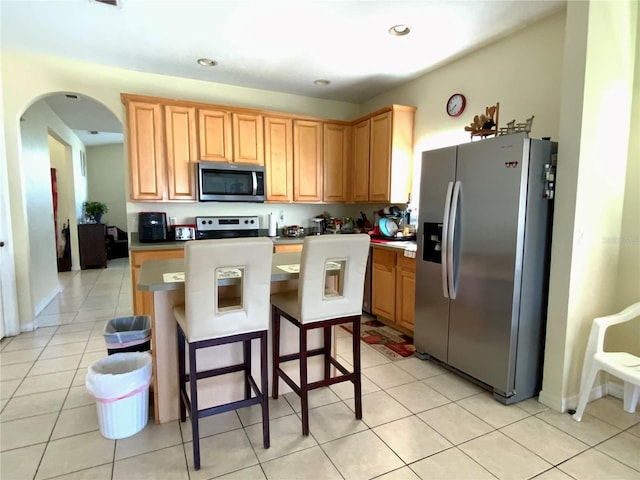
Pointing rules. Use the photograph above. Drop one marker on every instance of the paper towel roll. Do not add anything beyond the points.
(272, 225)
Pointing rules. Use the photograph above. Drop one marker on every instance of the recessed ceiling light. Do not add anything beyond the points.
(207, 62)
(322, 82)
(93, 132)
(71, 96)
(400, 30)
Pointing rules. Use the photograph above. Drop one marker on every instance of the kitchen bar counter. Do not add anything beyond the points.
(164, 340)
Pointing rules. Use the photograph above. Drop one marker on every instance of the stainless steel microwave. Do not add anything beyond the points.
(229, 182)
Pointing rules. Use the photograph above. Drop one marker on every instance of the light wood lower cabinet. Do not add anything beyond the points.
(297, 247)
(393, 287)
(143, 301)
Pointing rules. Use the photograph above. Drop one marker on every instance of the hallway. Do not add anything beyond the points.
(420, 421)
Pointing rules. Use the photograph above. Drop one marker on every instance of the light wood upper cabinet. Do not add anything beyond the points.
(336, 154)
(307, 161)
(145, 137)
(278, 158)
(391, 155)
(182, 152)
(215, 138)
(248, 138)
(360, 158)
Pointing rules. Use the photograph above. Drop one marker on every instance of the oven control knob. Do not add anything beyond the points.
(252, 221)
(210, 222)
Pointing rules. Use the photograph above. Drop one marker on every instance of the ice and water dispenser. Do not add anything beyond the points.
(432, 244)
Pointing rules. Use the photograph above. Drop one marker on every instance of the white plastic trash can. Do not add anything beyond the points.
(120, 385)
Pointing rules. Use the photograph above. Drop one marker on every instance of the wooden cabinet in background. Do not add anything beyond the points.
(336, 151)
(214, 135)
(391, 155)
(393, 288)
(248, 138)
(278, 158)
(287, 248)
(307, 161)
(92, 243)
(182, 152)
(143, 301)
(145, 137)
(360, 159)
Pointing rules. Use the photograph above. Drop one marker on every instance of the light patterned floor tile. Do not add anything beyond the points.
(362, 455)
(491, 411)
(54, 365)
(532, 406)
(35, 404)
(291, 467)
(251, 473)
(455, 423)
(78, 397)
(417, 396)
(26, 431)
(26, 344)
(610, 409)
(404, 473)
(45, 383)
(333, 421)
(411, 439)
(168, 463)
(317, 398)
(451, 464)
(388, 375)
(452, 386)
(103, 472)
(9, 387)
(76, 420)
(20, 356)
(152, 437)
(286, 437)
(595, 465)
(380, 407)
(590, 430)
(420, 369)
(548, 442)
(213, 425)
(21, 463)
(503, 457)
(221, 454)
(345, 390)
(253, 414)
(624, 447)
(16, 370)
(89, 450)
(553, 474)
(54, 351)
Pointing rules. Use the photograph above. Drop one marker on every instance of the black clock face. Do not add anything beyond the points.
(456, 104)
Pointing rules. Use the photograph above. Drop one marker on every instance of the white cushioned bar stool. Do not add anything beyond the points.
(330, 291)
(227, 287)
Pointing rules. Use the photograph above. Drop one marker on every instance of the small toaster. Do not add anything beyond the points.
(184, 232)
(293, 231)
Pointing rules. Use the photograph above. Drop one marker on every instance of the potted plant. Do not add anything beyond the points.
(95, 210)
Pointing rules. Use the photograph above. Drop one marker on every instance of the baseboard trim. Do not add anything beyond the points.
(42, 304)
(563, 404)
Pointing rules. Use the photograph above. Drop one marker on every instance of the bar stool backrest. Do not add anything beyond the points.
(332, 270)
(227, 286)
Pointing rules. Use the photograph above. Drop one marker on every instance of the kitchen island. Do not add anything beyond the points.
(168, 291)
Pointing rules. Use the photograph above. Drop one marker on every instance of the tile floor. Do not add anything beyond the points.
(420, 422)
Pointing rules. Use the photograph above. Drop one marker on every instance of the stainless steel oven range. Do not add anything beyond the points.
(227, 227)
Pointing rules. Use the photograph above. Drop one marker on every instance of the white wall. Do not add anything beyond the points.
(106, 182)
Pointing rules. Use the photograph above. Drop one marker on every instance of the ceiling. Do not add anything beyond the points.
(281, 46)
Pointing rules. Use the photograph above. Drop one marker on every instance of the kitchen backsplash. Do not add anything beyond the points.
(294, 214)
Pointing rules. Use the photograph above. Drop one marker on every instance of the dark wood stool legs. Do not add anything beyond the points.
(190, 403)
(305, 387)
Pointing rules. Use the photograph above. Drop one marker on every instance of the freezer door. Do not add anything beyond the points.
(483, 317)
(432, 306)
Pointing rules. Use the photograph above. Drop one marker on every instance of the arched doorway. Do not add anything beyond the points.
(61, 123)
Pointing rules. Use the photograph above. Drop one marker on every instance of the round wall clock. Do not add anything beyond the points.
(456, 104)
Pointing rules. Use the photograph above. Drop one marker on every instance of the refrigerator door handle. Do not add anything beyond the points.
(452, 270)
(444, 241)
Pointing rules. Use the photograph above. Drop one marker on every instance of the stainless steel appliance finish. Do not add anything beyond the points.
(227, 227)
(228, 182)
(482, 261)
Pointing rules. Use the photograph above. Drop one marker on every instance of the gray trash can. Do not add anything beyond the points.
(128, 334)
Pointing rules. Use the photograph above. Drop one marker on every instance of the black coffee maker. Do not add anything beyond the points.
(152, 227)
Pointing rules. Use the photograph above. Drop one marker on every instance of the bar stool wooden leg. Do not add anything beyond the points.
(327, 352)
(182, 377)
(304, 390)
(357, 384)
(264, 388)
(275, 318)
(193, 384)
(246, 349)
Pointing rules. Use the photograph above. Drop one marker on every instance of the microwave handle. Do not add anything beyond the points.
(254, 177)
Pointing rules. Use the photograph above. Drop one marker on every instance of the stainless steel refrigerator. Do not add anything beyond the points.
(484, 222)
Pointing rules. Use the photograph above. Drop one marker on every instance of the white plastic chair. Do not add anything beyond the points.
(330, 292)
(208, 319)
(620, 364)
